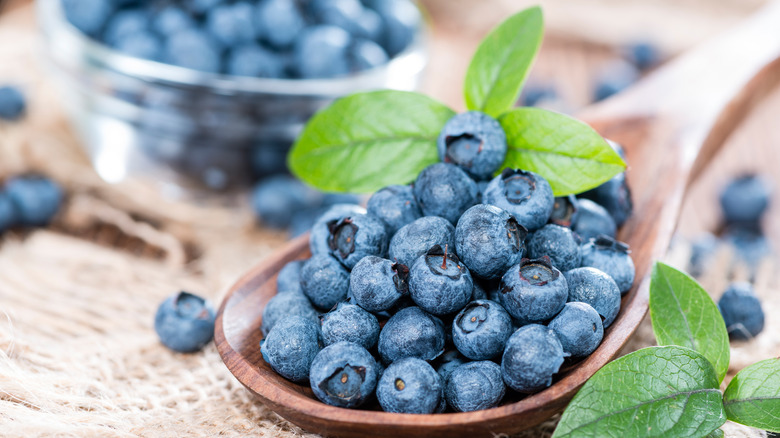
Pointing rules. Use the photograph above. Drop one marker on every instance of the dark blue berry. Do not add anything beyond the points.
(345, 14)
(444, 190)
(643, 54)
(12, 103)
(475, 386)
(279, 22)
(284, 305)
(276, 199)
(411, 333)
(396, 206)
(473, 141)
(7, 213)
(525, 195)
(536, 93)
(564, 212)
(612, 257)
(481, 329)
(194, 49)
(141, 45)
(232, 24)
(489, 240)
(533, 290)
(318, 242)
(558, 243)
(253, 60)
(376, 284)
(593, 220)
(410, 386)
(416, 238)
(185, 322)
(614, 78)
(344, 374)
(88, 16)
(366, 54)
(289, 278)
(594, 287)
(401, 20)
(439, 283)
(532, 355)
(615, 196)
(322, 51)
(749, 244)
(745, 199)
(448, 362)
(170, 20)
(741, 310)
(324, 281)
(354, 237)
(291, 346)
(348, 322)
(579, 328)
(703, 249)
(125, 24)
(36, 200)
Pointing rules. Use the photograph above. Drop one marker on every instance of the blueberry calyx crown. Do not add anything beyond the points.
(519, 185)
(442, 262)
(188, 305)
(538, 272)
(605, 242)
(472, 316)
(516, 233)
(401, 278)
(459, 149)
(342, 236)
(564, 210)
(342, 376)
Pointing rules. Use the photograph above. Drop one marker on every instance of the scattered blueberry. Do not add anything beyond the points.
(612, 257)
(36, 200)
(291, 346)
(593, 220)
(489, 240)
(596, 288)
(411, 333)
(525, 195)
(579, 328)
(12, 103)
(614, 78)
(439, 283)
(185, 322)
(396, 206)
(344, 374)
(749, 243)
(741, 310)
(376, 284)
(411, 386)
(558, 243)
(481, 329)
(283, 305)
(533, 290)
(324, 281)
(643, 54)
(533, 354)
(564, 212)
(444, 190)
(473, 141)
(275, 199)
(354, 237)
(703, 249)
(7, 213)
(416, 238)
(536, 93)
(475, 386)
(745, 199)
(348, 322)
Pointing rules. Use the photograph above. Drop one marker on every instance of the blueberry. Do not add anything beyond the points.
(489, 240)
(185, 322)
(344, 374)
(396, 206)
(535, 93)
(291, 347)
(354, 237)
(401, 19)
(615, 196)
(232, 24)
(533, 290)
(614, 78)
(745, 199)
(612, 257)
(749, 243)
(348, 322)
(194, 49)
(7, 213)
(475, 142)
(321, 51)
(479, 292)
(36, 200)
(289, 278)
(279, 22)
(444, 190)
(579, 328)
(481, 329)
(597, 289)
(643, 54)
(370, 26)
(170, 20)
(416, 238)
(324, 281)
(475, 386)
(125, 24)
(557, 242)
(283, 305)
(318, 242)
(345, 14)
(88, 16)
(593, 220)
(448, 362)
(410, 386)
(703, 249)
(366, 54)
(141, 45)
(253, 60)
(531, 357)
(525, 195)
(564, 212)
(376, 284)
(741, 310)
(275, 199)
(411, 333)
(12, 103)
(439, 283)
(200, 7)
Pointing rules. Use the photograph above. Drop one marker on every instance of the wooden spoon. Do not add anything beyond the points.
(671, 125)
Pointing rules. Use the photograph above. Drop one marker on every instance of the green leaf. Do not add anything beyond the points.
(658, 391)
(684, 314)
(502, 61)
(366, 141)
(753, 396)
(717, 433)
(565, 151)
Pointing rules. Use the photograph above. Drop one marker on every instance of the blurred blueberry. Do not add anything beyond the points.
(703, 249)
(195, 49)
(533, 290)
(481, 329)
(411, 333)
(597, 289)
(439, 282)
(344, 374)
(124, 24)
(303, 220)
(558, 243)
(289, 278)
(473, 141)
(172, 19)
(593, 220)
(276, 199)
(324, 281)
(643, 54)
(88, 16)
(348, 322)
(366, 54)
(444, 190)
(614, 78)
(339, 198)
(745, 199)
(532, 355)
(253, 60)
(749, 243)
(611, 257)
(279, 22)
(489, 240)
(525, 195)
(376, 284)
(475, 386)
(7, 213)
(370, 26)
(12, 103)
(141, 45)
(345, 14)
(579, 328)
(303, 335)
(401, 20)
(535, 93)
(415, 239)
(322, 51)
(741, 310)
(36, 200)
(232, 24)
(356, 236)
(185, 322)
(320, 232)
(201, 6)
(268, 158)
(284, 305)
(411, 386)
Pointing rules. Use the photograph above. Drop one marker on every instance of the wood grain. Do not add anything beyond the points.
(666, 125)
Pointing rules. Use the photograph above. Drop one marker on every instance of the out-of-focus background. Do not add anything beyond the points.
(78, 353)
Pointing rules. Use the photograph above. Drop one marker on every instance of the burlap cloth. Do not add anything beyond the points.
(78, 353)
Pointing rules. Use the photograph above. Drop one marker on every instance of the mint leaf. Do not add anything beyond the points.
(684, 314)
(753, 396)
(568, 153)
(658, 391)
(366, 141)
(501, 63)
(717, 433)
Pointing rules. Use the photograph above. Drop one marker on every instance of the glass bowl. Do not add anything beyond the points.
(186, 130)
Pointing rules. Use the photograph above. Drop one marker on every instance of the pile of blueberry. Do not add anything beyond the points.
(260, 38)
(446, 292)
(29, 201)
